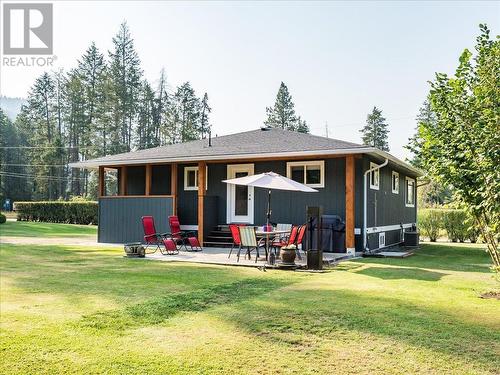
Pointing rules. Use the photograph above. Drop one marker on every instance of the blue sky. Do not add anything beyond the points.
(339, 59)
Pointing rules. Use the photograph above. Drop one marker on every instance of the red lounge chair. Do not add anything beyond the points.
(235, 233)
(153, 238)
(183, 238)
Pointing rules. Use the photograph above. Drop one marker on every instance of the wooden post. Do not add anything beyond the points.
(123, 180)
(349, 203)
(102, 188)
(173, 186)
(202, 168)
(148, 179)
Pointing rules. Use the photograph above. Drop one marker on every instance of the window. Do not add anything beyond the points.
(374, 177)
(191, 178)
(310, 173)
(395, 182)
(410, 192)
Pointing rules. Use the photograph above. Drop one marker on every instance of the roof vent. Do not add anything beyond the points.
(265, 128)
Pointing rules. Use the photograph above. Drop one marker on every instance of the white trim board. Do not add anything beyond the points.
(387, 228)
(189, 227)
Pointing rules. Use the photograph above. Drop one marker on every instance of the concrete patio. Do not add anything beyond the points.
(219, 256)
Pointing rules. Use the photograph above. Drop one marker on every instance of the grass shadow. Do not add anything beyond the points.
(341, 315)
(162, 308)
(446, 257)
(399, 273)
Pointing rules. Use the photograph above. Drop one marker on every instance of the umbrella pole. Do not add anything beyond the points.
(268, 206)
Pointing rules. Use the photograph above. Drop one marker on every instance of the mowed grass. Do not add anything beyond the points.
(33, 229)
(88, 310)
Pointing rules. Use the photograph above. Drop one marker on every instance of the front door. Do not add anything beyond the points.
(239, 198)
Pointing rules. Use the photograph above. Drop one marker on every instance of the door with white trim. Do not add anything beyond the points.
(240, 199)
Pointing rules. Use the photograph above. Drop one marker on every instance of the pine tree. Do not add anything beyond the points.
(146, 128)
(204, 116)
(41, 123)
(160, 109)
(282, 115)
(425, 118)
(12, 185)
(375, 132)
(126, 75)
(184, 115)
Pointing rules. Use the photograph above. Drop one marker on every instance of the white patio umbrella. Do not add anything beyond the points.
(270, 180)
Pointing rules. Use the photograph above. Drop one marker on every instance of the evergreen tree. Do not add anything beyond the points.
(40, 121)
(12, 185)
(204, 116)
(184, 115)
(375, 132)
(282, 115)
(146, 132)
(160, 109)
(426, 117)
(125, 74)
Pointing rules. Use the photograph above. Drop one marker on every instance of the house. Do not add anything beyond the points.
(374, 192)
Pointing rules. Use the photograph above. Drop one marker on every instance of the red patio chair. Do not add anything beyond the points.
(153, 238)
(183, 238)
(300, 238)
(287, 241)
(235, 233)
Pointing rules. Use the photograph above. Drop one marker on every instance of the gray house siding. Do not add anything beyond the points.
(120, 218)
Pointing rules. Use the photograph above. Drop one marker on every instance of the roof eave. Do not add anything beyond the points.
(96, 163)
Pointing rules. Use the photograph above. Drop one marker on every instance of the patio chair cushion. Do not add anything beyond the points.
(169, 244)
(194, 243)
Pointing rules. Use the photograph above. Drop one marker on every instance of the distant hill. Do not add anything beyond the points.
(11, 106)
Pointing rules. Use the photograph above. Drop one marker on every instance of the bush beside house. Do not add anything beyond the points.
(76, 212)
(3, 218)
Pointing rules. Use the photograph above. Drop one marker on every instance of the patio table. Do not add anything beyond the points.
(268, 235)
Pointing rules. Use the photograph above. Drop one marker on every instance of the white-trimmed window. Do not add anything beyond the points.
(374, 177)
(410, 192)
(395, 182)
(191, 178)
(310, 173)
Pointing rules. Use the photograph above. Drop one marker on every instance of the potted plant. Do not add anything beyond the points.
(288, 254)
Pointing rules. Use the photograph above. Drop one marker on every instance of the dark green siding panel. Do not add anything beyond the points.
(187, 207)
(392, 237)
(216, 188)
(120, 218)
(160, 180)
(136, 180)
(385, 207)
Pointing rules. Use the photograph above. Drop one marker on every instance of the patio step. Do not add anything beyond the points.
(217, 244)
(220, 236)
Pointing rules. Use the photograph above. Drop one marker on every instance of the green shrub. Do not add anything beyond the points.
(430, 222)
(457, 225)
(3, 218)
(75, 212)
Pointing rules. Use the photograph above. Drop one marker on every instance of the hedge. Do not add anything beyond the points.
(79, 212)
(3, 218)
(455, 222)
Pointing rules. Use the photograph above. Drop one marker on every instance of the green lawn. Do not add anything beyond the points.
(30, 229)
(89, 310)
